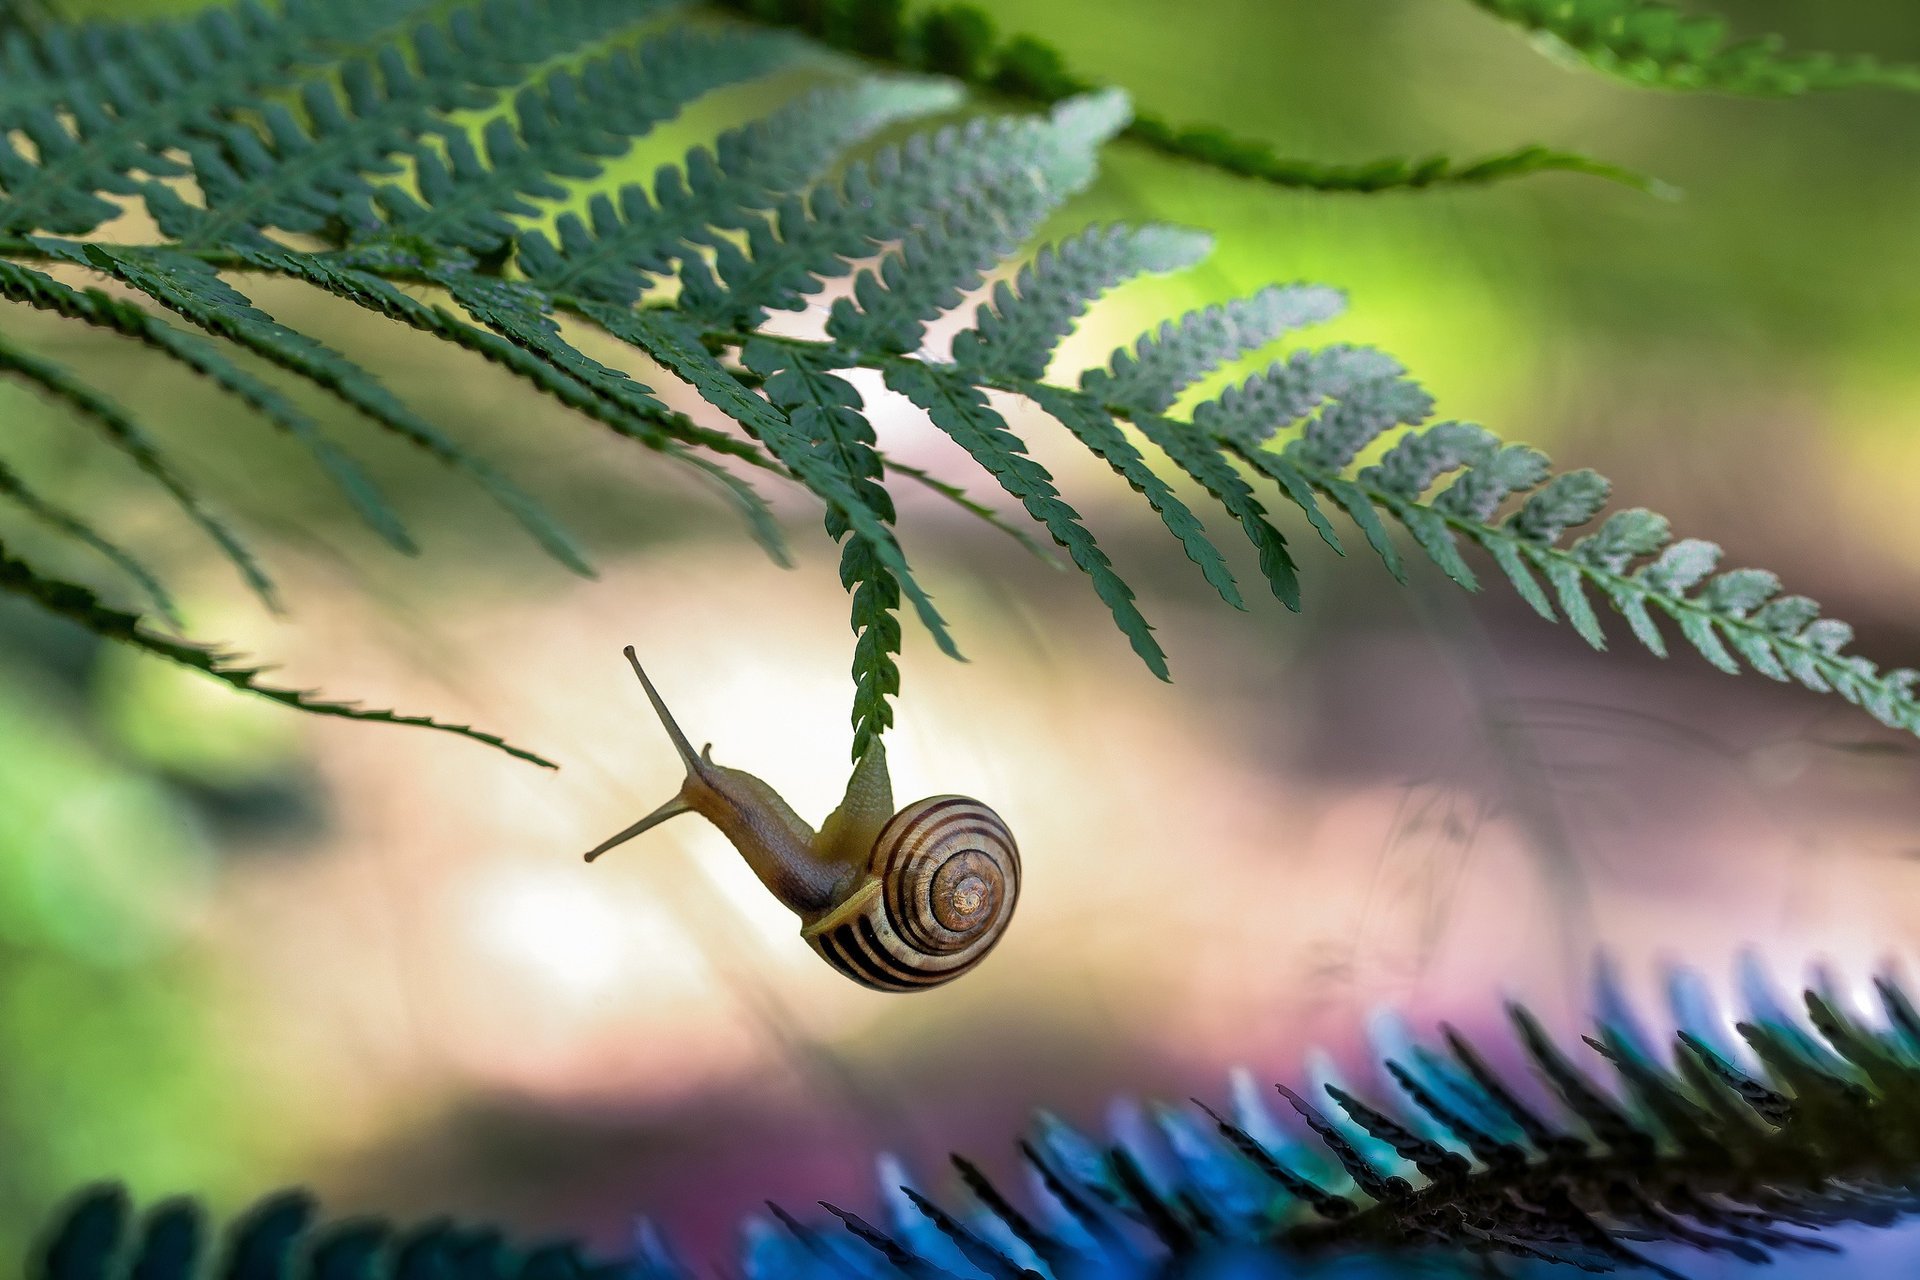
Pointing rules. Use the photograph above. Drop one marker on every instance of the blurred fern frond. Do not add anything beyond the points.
(1745, 1144)
(98, 1239)
(334, 146)
(1659, 46)
(961, 41)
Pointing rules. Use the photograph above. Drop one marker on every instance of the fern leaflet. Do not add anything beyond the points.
(1654, 44)
(958, 40)
(79, 605)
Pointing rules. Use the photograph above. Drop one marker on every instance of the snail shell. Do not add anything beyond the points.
(940, 888)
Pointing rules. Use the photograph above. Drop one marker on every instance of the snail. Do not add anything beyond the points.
(895, 900)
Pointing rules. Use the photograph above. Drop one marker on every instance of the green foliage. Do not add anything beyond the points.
(1654, 44)
(399, 163)
(1745, 1147)
(960, 41)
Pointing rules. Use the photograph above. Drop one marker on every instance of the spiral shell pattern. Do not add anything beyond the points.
(940, 888)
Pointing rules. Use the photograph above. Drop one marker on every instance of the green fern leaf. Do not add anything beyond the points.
(1150, 377)
(1289, 390)
(1015, 336)
(418, 157)
(824, 233)
(1659, 46)
(1295, 487)
(375, 294)
(1478, 493)
(188, 74)
(65, 522)
(730, 187)
(197, 292)
(676, 347)
(1361, 408)
(1202, 459)
(22, 284)
(1568, 500)
(562, 131)
(126, 434)
(79, 605)
(522, 316)
(1095, 428)
(979, 510)
(1359, 507)
(762, 524)
(943, 259)
(961, 410)
(824, 411)
(545, 361)
(308, 171)
(52, 63)
(1419, 458)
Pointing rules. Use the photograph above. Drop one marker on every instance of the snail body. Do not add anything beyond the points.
(895, 900)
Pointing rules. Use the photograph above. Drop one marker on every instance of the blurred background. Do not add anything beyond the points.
(244, 948)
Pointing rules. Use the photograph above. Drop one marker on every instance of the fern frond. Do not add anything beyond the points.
(826, 431)
(748, 170)
(1016, 334)
(308, 171)
(945, 258)
(824, 233)
(961, 410)
(1095, 427)
(371, 150)
(97, 308)
(1436, 1164)
(762, 525)
(24, 16)
(563, 130)
(15, 490)
(182, 80)
(126, 434)
(195, 291)
(364, 289)
(958, 40)
(525, 341)
(41, 63)
(1162, 364)
(677, 347)
(80, 605)
(1659, 46)
(1215, 473)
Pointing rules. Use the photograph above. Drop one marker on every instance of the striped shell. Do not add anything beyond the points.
(939, 890)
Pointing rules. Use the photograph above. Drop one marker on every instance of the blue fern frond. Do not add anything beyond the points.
(1642, 1158)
